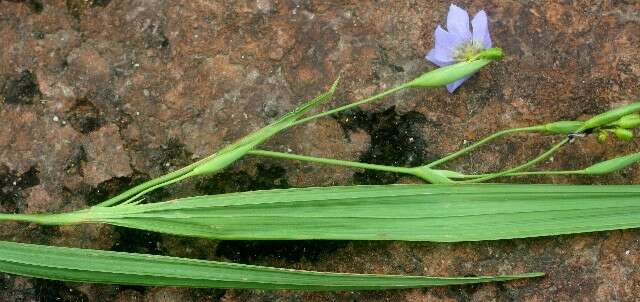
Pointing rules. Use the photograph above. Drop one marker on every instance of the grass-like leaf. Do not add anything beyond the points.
(83, 265)
(445, 213)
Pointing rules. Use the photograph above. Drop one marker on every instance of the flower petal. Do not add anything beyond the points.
(445, 45)
(458, 22)
(480, 24)
(447, 41)
(439, 57)
(453, 86)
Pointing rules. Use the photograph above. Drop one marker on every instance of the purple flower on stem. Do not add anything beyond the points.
(459, 43)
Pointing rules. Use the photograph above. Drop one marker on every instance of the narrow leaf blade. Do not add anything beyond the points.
(84, 265)
(443, 213)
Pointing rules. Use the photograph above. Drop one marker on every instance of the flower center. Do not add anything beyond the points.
(467, 50)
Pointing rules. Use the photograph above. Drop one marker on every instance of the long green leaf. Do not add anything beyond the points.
(83, 265)
(445, 213)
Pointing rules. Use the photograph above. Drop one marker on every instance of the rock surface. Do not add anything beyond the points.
(97, 95)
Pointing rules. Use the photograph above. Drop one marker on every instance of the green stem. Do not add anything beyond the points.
(153, 184)
(484, 141)
(523, 166)
(352, 105)
(47, 219)
(328, 161)
(152, 188)
(528, 173)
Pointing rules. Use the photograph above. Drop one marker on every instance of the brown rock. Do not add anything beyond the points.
(39, 201)
(106, 157)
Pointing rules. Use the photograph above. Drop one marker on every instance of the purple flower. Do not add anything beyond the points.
(459, 43)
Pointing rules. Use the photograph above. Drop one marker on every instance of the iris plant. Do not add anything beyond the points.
(446, 213)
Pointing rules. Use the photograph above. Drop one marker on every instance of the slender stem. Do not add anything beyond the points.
(16, 217)
(152, 188)
(482, 142)
(153, 184)
(144, 187)
(523, 166)
(49, 219)
(328, 161)
(528, 173)
(352, 105)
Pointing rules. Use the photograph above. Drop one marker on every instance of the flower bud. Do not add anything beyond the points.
(612, 165)
(610, 116)
(628, 121)
(602, 137)
(623, 134)
(494, 53)
(563, 127)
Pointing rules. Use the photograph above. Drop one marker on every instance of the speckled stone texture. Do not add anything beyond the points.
(98, 95)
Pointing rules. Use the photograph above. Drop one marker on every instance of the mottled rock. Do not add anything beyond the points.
(106, 157)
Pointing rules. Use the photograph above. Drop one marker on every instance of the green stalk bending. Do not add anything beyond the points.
(435, 78)
(328, 161)
(352, 105)
(526, 165)
(526, 173)
(603, 167)
(485, 140)
(152, 184)
(429, 175)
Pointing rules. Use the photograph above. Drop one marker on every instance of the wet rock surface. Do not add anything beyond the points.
(96, 96)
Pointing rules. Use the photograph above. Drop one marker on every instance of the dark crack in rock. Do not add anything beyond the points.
(49, 290)
(279, 250)
(137, 241)
(266, 177)
(113, 186)
(22, 89)
(85, 117)
(12, 185)
(35, 5)
(396, 139)
(171, 156)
